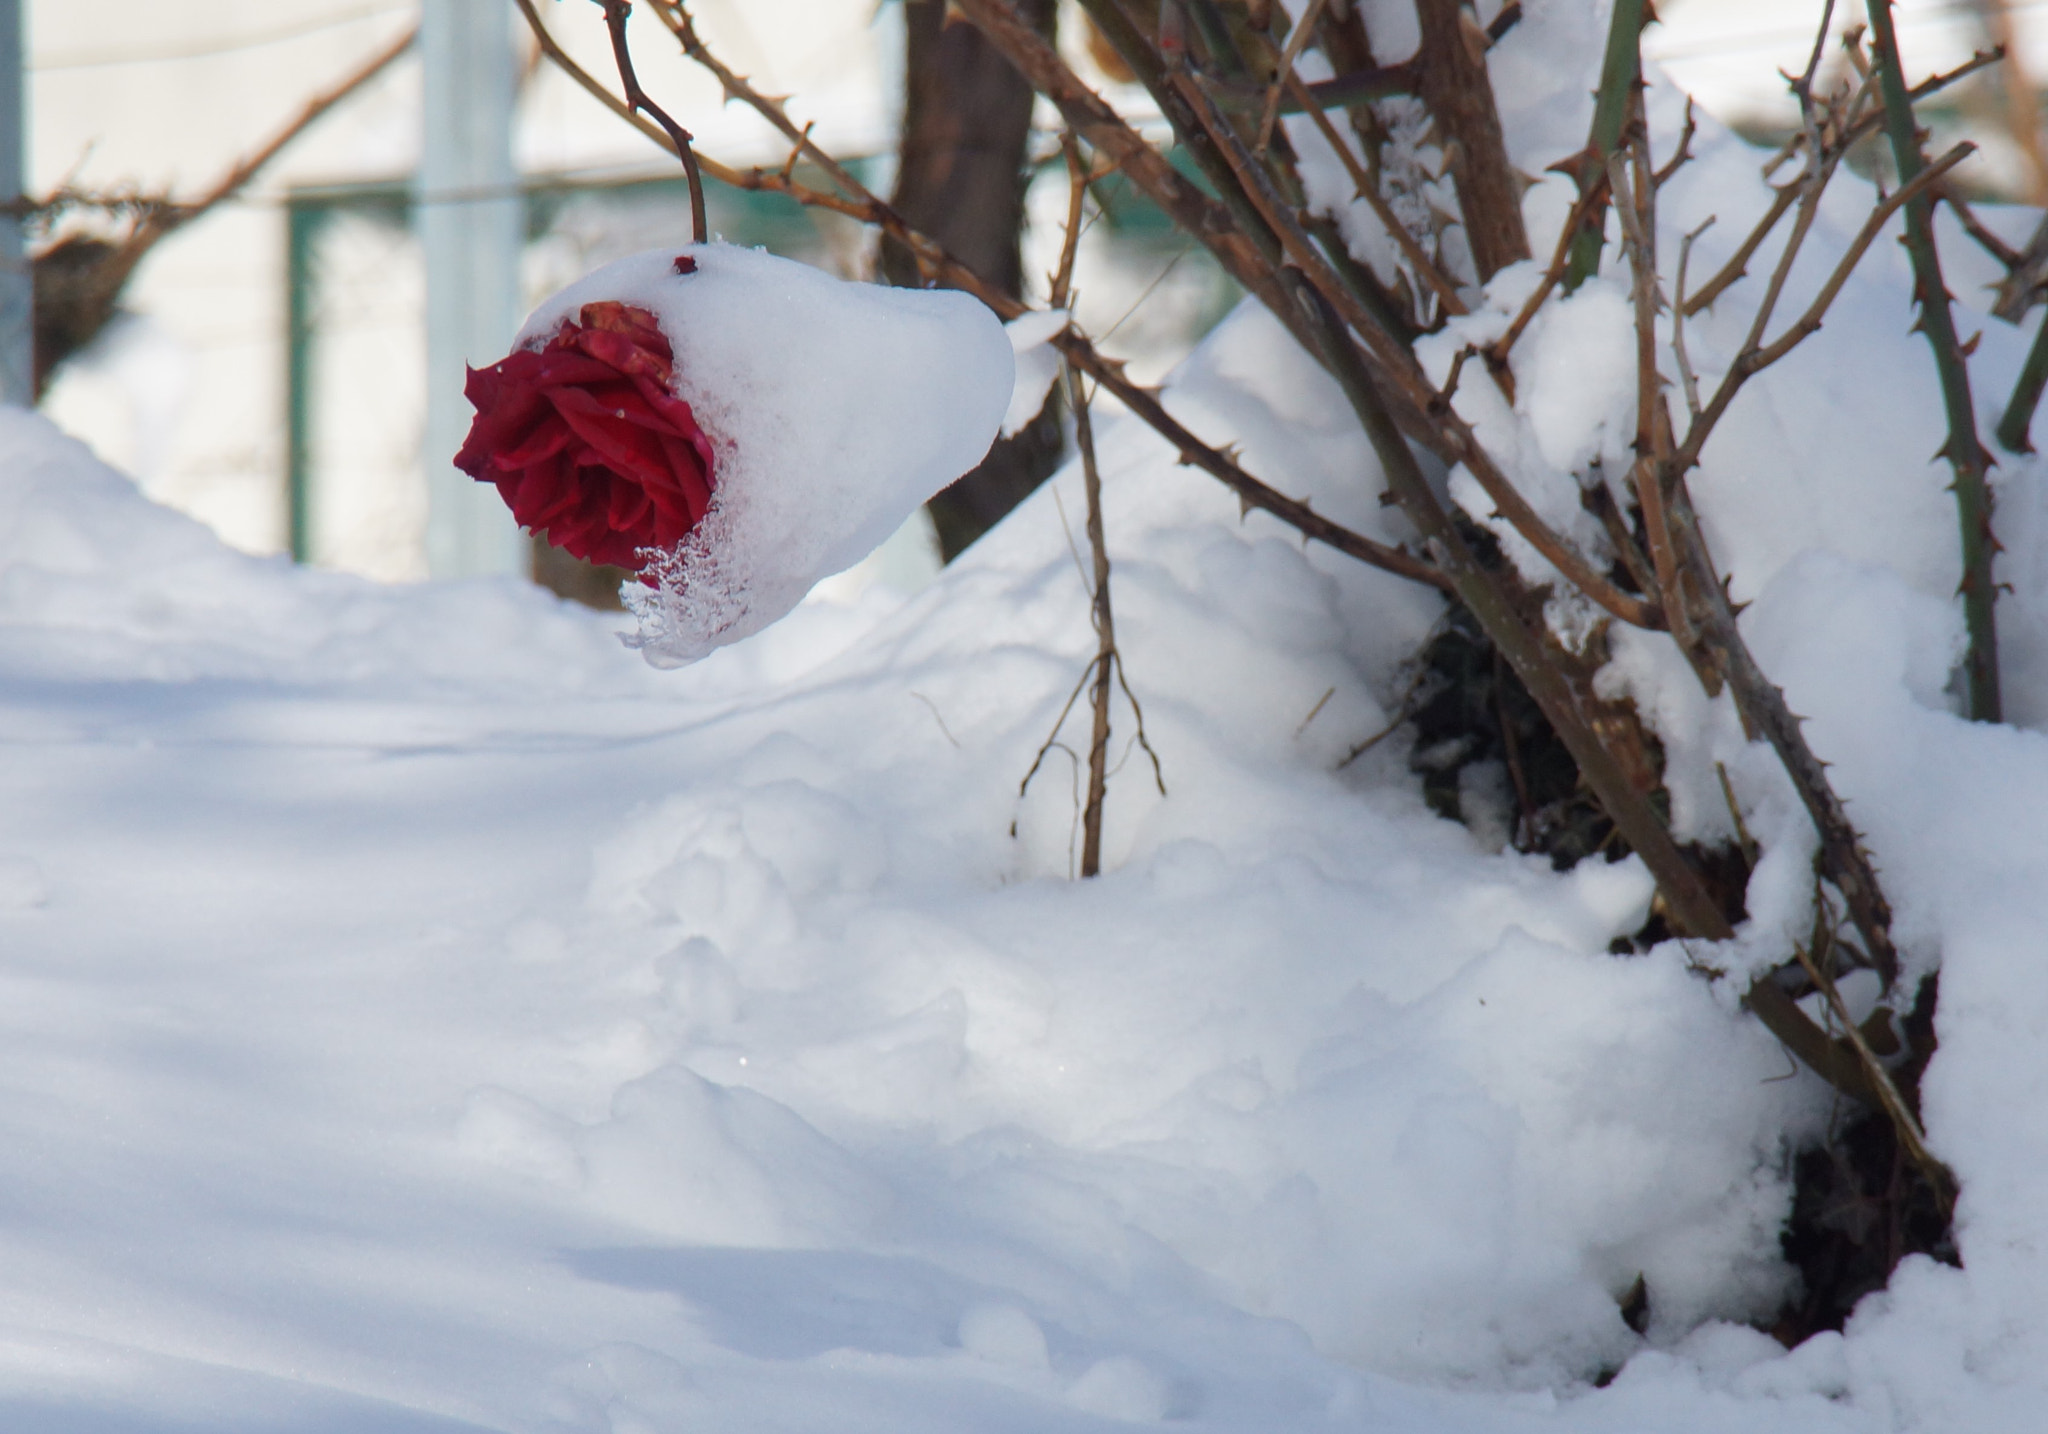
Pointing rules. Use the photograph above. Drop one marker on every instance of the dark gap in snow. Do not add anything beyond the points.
(1859, 1205)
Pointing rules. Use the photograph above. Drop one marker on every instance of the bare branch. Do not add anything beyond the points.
(1512, 506)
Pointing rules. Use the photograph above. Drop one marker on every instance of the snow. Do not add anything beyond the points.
(835, 410)
(420, 1015)
(1038, 363)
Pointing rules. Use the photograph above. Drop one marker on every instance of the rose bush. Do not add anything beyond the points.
(587, 442)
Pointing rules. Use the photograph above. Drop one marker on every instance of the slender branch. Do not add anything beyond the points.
(1633, 205)
(1782, 200)
(616, 13)
(1099, 125)
(1249, 490)
(1787, 195)
(1680, 155)
(1070, 245)
(1966, 453)
(1755, 355)
(1297, 41)
(1105, 629)
(1809, 322)
(1686, 376)
(676, 17)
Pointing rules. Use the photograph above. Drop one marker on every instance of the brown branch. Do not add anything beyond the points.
(1683, 153)
(1809, 322)
(1787, 195)
(1302, 251)
(1253, 493)
(1104, 130)
(616, 13)
(1070, 244)
(1455, 86)
(1737, 266)
(1105, 630)
(1879, 1080)
(1755, 356)
(676, 17)
(1990, 243)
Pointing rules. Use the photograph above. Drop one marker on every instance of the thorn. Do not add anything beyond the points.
(1576, 166)
(1969, 346)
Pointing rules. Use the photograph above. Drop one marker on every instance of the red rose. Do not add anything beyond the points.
(587, 443)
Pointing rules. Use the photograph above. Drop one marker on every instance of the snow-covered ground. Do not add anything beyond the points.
(421, 1015)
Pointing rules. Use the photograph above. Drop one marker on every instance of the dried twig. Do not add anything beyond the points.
(1686, 377)
(1070, 246)
(1512, 506)
(1786, 195)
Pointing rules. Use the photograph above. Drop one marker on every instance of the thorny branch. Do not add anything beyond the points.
(1255, 230)
(1966, 455)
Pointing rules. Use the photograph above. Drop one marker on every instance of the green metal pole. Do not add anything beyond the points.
(302, 226)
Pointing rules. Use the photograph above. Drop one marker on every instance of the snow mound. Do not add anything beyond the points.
(835, 409)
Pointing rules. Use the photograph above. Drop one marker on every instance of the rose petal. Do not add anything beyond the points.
(587, 442)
